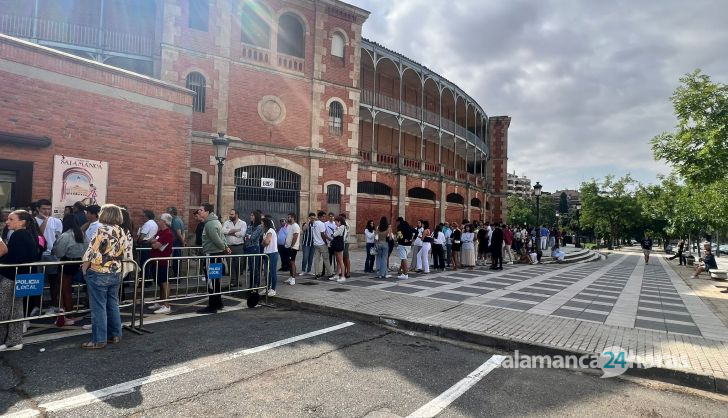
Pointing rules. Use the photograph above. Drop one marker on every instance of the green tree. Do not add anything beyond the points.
(610, 209)
(698, 149)
(521, 210)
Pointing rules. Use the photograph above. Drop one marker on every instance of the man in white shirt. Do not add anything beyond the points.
(145, 236)
(293, 243)
(234, 230)
(51, 228)
(320, 239)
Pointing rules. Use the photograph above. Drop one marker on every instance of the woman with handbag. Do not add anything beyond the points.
(69, 246)
(337, 245)
(270, 248)
(371, 251)
(102, 265)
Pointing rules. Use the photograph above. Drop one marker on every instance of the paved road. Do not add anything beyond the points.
(277, 362)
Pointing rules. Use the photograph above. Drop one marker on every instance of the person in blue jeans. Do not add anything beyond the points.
(253, 236)
(384, 230)
(102, 264)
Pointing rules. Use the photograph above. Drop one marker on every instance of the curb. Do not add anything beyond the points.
(690, 379)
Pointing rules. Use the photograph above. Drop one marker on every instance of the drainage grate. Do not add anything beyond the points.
(339, 290)
(308, 284)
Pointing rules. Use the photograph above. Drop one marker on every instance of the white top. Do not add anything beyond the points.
(371, 236)
(91, 231)
(237, 237)
(272, 246)
(293, 228)
(340, 231)
(318, 228)
(439, 238)
(53, 230)
(467, 240)
(418, 240)
(149, 230)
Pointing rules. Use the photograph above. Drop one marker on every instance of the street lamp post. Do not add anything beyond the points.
(537, 193)
(221, 145)
(578, 225)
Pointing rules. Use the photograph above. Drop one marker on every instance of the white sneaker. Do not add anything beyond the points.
(403, 277)
(155, 307)
(163, 310)
(51, 311)
(271, 292)
(11, 348)
(341, 279)
(288, 280)
(87, 326)
(300, 274)
(334, 278)
(35, 311)
(388, 276)
(291, 281)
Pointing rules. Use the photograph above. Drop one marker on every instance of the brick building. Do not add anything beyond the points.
(336, 121)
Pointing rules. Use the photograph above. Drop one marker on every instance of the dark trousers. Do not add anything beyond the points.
(438, 256)
(214, 300)
(285, 266)
(497, 257)
(369, 263)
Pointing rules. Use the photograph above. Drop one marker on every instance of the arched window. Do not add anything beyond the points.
(290, 35)
(336, 118)
(196, 83)
(373, 187)
(333, 198)
(255, 29)
(475, 202)
(421, 193)
(199, 14)
(337, 45)
(195, 189)
(455, 198)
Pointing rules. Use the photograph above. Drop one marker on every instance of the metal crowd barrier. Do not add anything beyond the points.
(35, 283)
(231, 271)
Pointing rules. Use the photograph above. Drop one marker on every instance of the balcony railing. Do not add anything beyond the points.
(386, 159)
(291, 63)
(393, 104)
(365, 155)
(255, 54)
(412, 164)
(431, 167)
(78, 35)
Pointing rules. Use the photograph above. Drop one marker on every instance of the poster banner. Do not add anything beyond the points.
(78, 180)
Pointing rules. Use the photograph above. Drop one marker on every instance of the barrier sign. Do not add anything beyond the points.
(29, 284)
(214, 271)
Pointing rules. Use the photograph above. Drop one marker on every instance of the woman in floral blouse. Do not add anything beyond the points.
(102, 265)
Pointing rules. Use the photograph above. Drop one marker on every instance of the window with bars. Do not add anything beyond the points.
(336, 118)
(333, 194)
(255, 29)
(199, 14)
(196, 83)
(337, 45)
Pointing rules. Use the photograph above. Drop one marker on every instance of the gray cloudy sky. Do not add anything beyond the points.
(587, 83)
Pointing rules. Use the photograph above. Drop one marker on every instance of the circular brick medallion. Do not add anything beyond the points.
(271, 110)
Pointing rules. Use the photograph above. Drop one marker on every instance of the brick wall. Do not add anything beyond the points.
(103, 114)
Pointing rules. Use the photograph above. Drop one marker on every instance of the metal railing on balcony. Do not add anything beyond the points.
(432, 168)
(412, 164)
(386, 159)
(365, 155)
(392, 104)
(76, 35)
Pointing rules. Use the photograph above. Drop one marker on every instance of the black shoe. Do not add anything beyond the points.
(207, 310)
(724, 291)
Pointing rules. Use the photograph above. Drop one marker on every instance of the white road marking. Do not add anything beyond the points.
(449, 396)
(89, 398)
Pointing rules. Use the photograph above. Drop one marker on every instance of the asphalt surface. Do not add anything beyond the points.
(356, 370)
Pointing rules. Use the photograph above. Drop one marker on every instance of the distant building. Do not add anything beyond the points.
(519, 185)
(572, 196)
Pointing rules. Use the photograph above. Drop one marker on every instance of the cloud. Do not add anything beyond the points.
(587, 83)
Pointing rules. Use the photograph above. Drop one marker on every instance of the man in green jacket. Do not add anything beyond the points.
(213, 243)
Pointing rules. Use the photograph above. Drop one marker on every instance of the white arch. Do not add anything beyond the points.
(337, 99)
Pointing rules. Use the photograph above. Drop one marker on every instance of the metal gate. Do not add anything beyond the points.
(272, 190)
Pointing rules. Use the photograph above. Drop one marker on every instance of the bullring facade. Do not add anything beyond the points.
(338, 122)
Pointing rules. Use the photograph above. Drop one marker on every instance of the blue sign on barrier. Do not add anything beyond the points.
(214, 271)
(29, 284)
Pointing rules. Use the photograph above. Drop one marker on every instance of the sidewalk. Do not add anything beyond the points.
(554, 309)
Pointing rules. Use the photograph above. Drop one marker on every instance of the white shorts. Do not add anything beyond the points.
(403, 252)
